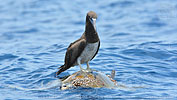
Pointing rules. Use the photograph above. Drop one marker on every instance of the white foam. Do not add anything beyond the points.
(50, 85)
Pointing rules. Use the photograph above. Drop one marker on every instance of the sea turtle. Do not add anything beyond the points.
(93, 79)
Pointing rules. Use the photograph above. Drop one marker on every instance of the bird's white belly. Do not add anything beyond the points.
(88, 52)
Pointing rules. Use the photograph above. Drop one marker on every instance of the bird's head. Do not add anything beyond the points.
(91, 20)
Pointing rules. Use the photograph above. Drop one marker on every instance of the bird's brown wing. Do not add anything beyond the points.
(73, 52)
(97, 50)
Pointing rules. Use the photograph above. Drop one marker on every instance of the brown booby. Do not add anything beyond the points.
(85, 48)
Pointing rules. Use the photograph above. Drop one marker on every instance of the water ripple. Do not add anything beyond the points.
(138, 41)
(7, 56)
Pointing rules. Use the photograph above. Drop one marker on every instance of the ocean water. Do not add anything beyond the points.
(138, 41)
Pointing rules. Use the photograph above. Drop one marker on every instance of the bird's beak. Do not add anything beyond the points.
(93, 21)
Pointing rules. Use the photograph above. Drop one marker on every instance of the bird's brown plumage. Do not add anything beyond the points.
(76, 48)
(73, 52)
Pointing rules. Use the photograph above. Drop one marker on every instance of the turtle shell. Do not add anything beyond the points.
(93, 79)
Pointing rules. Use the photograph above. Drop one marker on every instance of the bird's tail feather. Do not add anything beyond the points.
(61, 69)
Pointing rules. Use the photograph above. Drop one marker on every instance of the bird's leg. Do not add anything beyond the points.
(78, 62)
(82, 70)
(88, 67)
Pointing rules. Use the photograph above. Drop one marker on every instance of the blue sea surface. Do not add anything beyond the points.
(138, 41)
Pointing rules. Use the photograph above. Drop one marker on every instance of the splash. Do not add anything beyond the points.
(49, 85)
